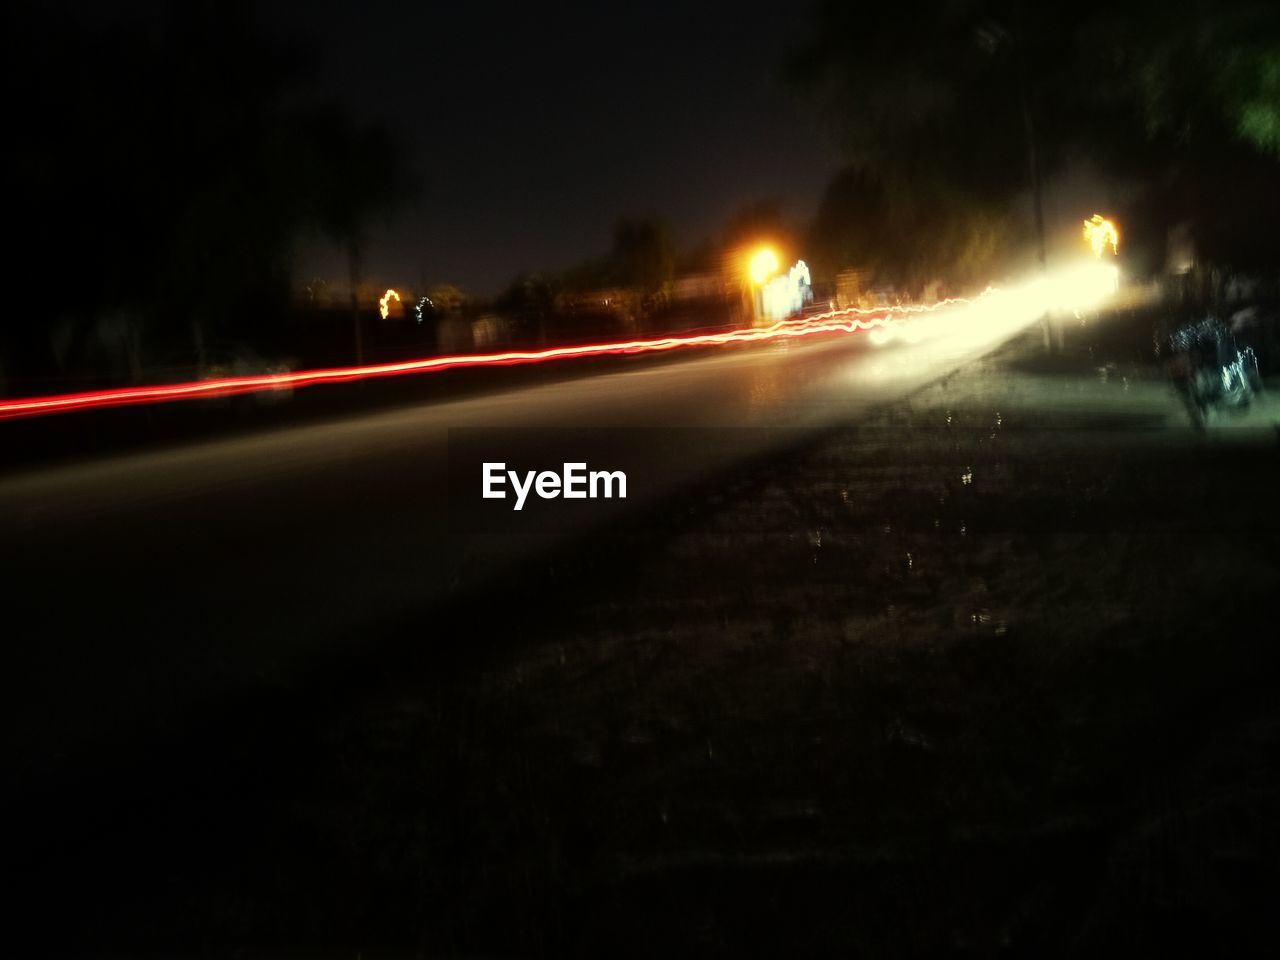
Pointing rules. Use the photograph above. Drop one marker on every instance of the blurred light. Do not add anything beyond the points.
(764, 264)
(1101, 233)
(384, 305)
(787, 293)
(1077, 287)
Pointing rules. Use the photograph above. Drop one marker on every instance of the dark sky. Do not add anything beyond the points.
(534, 127)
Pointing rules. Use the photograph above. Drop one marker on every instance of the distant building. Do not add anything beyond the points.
(698, 286)
(615, 299)
(849, 288)
(490, 331)
(454, 334)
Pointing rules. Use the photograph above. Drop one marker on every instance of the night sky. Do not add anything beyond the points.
(534, 128)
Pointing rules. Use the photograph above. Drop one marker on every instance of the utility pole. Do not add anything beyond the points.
(1026, 100)
(1033, 176)
(1037, 202)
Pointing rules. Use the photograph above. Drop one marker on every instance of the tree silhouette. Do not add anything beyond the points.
(163, 171)
(643, 257)
(357, 175)
(968, 105)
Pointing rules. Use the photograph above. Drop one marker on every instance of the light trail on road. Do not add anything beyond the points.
(1073, 288)
(844, 321)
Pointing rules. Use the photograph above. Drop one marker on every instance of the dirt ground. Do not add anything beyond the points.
(991, 673)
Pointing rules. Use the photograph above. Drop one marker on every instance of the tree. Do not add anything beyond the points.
(357, 175)
(643, 257)
(161, 170)
(530, 300)
(874, 226)
(1193, 91)
(1190, 69)
(945, 110)
(972, 104)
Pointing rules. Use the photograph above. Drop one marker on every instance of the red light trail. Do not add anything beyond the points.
(836, 321)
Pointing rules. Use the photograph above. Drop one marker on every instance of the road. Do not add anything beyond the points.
(144, 585)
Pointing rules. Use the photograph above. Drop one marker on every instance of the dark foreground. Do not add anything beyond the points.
(990, 673)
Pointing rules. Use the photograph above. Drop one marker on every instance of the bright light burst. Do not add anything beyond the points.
(787, 293)
(764, 264)
(1101, 233)
(384, 305)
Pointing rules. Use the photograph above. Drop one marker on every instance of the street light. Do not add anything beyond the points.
(764, 264)
(1100, 234)
(384, 303)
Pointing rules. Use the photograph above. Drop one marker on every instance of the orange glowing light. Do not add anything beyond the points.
(384, 305)
(1101, 233)
(764, 264)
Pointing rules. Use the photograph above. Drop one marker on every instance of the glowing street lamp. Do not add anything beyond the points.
(1101, 233)
(384, 303)
(764, 264)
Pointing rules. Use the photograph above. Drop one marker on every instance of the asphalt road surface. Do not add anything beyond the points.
(142, 585)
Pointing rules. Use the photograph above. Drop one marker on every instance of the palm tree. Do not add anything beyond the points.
(361, 177)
